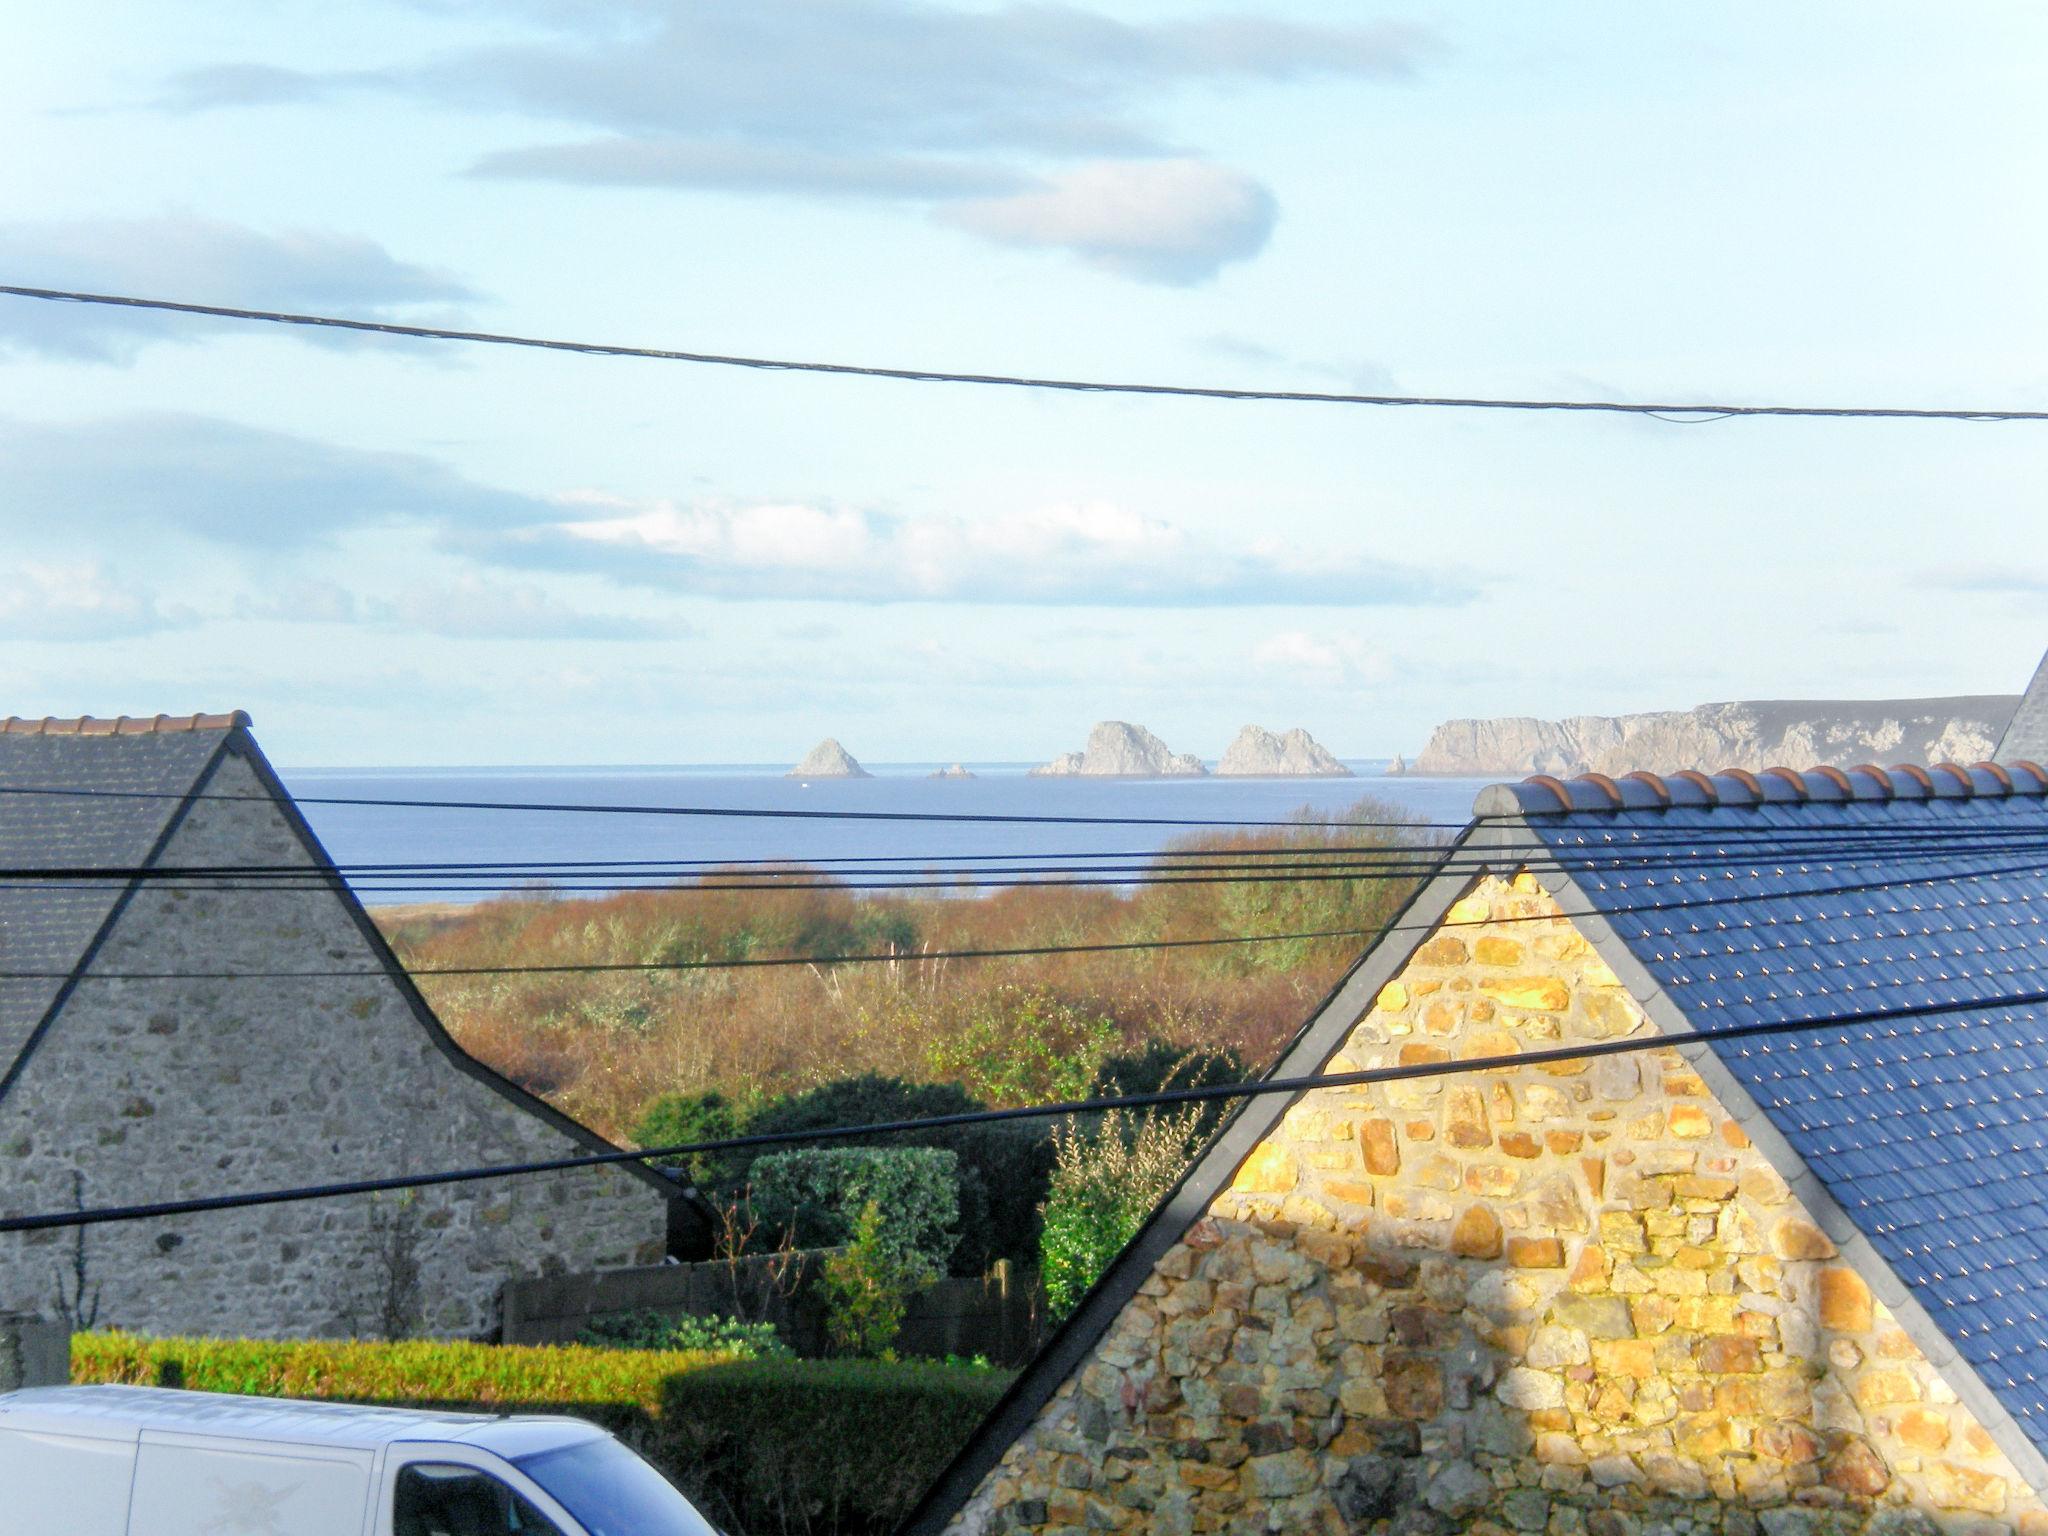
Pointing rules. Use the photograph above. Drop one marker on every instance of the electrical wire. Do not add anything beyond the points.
(771, 962)
(1714, 412)
(1216, 1093)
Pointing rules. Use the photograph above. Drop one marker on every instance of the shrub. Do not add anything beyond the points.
(867, 1287)
(1160, 1064)
(676, 1119)
(1105, 1182)
(688, 1333)
(1021, 1046)
(818, 1194)
(1002, 1168)
(763, 1445)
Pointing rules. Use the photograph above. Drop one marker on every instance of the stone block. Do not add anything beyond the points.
(1730, 1354)
(1796, 1238)
(1536, 1253)
(1553, 1347)
(1954, 1487)
(1413, 1385)
(1477, 1234)
(1520, 1144)
(1465, 1118)
(1393, 998)
(1379, 1146)
(1493, 950)
(1876, 1388)
(1521, 1387)
(1689, 1121)
(1844, 1300)
(1599, 1317)
(1270, 1170)
(1443, 949)
(1855, 1469)
(1538, 994)
(1493, 1180)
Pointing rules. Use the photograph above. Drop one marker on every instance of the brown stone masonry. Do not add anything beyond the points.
(1572, 1300)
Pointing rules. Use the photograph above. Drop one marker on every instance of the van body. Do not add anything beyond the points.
(147, 1461)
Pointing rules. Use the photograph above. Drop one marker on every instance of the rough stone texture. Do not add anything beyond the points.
(1122, 751)
(165, 1089)
(1797, 734)
(1572, 1300)
(1257, 753)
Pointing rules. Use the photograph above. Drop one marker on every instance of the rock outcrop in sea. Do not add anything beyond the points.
(1117, 750)
(1258, 753)
(1755, 734)
(829, 760)
(954, 772)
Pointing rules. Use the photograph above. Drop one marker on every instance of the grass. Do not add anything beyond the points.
(602, 1046)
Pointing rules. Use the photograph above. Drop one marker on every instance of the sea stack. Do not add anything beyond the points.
(1258, 753)
(1118, 750)
(829, 760)
(954, 772)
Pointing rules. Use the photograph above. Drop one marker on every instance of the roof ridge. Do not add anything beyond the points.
(1738, 788)
(122, 725)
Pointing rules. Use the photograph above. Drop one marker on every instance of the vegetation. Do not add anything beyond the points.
(868, 1284)
(609, 1048)
(684, 1333)
(1105, 1182)
(821, 1196)
(759, 1445)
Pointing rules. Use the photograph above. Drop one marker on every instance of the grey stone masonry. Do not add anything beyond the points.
(141, 1090)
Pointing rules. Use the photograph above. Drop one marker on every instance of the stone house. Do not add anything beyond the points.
(166, 1036)
(2027, 734)
(1789, 1283)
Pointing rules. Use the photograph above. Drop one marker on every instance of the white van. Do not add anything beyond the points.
(146, 1461)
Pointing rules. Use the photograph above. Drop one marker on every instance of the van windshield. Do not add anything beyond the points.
(612, 1491)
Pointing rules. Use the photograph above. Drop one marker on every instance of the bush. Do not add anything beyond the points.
(1106, 1181)
(818, 1194)
(676, 1119)
(759, 1446)
(1160, 1064)
(1002, 1168)
(1024, 1046)
(867, 1286)
(688, 1333)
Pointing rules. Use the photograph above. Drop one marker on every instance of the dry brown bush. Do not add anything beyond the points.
(602, 1045)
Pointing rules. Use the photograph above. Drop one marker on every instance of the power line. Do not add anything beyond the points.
(1010, 381)
(775, 813)
(771, 962)
(157, 1210)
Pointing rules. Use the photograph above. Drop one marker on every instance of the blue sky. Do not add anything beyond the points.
(404, 553)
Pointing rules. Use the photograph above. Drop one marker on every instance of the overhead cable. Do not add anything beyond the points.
(900, 957)
(1217, 1093)
(1661, 410)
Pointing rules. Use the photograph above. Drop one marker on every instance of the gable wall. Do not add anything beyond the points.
(162, 1090)
(1571, 1300)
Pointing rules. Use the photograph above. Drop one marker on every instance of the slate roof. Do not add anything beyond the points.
(2027, 735)
(136, 791)
(1921, 1145)
(1930, 1134)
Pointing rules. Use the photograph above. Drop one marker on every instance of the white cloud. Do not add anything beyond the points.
(202, 261)
(80, 602)
(1166, 221)
(1080, 554)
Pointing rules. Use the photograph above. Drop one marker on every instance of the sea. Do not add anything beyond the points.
(595, 817)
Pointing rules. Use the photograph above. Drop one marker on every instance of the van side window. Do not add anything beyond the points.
(442, 1499)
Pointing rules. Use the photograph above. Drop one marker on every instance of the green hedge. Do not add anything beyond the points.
(761, 1446)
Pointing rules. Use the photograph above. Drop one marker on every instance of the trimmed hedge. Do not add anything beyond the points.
(761, 1446)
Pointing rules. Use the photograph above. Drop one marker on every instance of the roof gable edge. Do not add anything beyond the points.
(1209, 1175)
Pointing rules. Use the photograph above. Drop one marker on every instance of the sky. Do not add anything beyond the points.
(403, 552)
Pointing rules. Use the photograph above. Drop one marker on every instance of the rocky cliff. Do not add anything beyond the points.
(1258, 753)
(1771, 733)
(829, 760)
(1122, 751)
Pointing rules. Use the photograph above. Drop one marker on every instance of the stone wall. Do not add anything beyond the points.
(1566, 1301)
(155, 1090)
